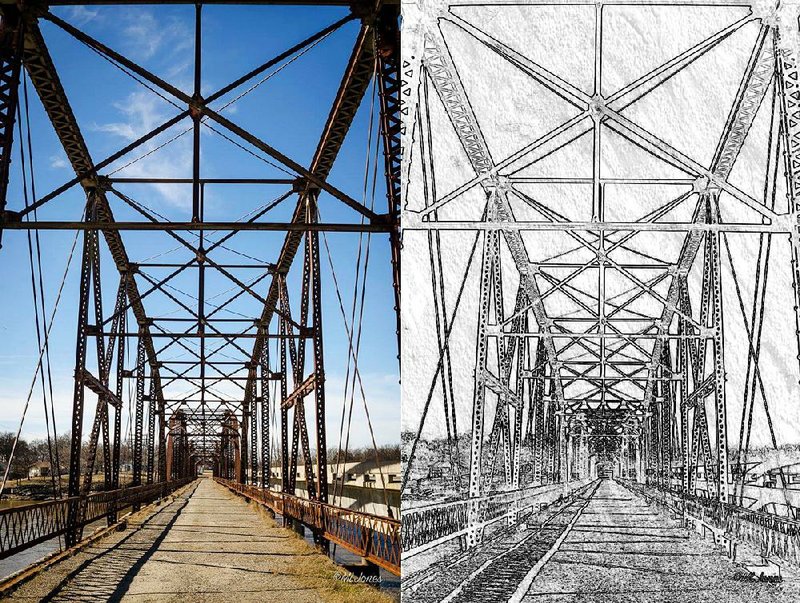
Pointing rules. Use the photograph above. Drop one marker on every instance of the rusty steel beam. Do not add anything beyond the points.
(10, 224)
(301, 391)
(390, 82)
(11, 39)
(95, 385)
(358, 74)
(193, 2)
(42, 73)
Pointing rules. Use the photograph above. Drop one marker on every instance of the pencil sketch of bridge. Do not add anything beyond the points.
(600, 213)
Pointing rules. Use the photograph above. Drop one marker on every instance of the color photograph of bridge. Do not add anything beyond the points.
(199, 220)
(600, 320)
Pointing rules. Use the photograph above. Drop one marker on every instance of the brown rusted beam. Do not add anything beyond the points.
(106, 395)
(302, 390)
(7, 223)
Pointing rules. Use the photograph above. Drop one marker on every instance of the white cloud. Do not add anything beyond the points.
(81, 15)
(167, 41)
(145, 36)
(58, 162)
(141, 112)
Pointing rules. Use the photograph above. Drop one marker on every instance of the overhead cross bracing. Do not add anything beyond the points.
(603, 198)
(202, 266)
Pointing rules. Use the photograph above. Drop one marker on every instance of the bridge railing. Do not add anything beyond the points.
(29, 525)
(774, 536)
(429, 525)
(373, 537)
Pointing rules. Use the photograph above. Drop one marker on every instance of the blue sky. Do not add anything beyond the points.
(288, 111)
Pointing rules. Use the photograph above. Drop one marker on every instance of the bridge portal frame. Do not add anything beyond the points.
(166, 453)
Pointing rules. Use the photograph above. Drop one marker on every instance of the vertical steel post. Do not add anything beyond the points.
(266, 466)
(84, 292)
(138, 417)
(474, 534)
(151, 431)
(120, 380)
(389, 80)
(788, 83)
(244, 437)
(287, 481)
(253, 456)
(722, 469)
(162, 437)
(11, 43)
(564, 443)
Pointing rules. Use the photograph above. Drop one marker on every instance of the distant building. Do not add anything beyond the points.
(364, 474)
(440, 470)
(791, 473)
(39, 470)
(738, 470)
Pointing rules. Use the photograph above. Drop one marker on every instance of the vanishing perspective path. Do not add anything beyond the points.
(605, 545)
(622, 550)
(206, 545)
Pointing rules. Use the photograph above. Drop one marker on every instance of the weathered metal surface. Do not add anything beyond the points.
(373, 537)
(29, 525)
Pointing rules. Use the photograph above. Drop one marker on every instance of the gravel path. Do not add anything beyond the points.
(605, 546)
(621, 550)
(206, 545)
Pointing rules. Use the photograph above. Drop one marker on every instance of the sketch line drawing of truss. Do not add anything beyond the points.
(601, 235)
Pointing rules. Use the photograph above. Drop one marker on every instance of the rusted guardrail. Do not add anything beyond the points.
(373, 537)
(29, 525)
(773, 535)
(431, 524)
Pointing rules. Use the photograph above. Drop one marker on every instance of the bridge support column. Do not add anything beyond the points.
(640, 478)
(388, 75)
(266, 463)
(229, 450)
(138, 417)
(565, 442)
(11, 47)
(720, 405)
(490, 248)
(90, 294)
(178, 456)
(170, 450)
(788, 82)
(310, 330)
(151, 433)
(244, 437)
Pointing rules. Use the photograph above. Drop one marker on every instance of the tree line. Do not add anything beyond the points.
(31, 452)
(386, 453)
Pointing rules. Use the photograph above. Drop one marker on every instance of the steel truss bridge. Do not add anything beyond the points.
(586, 233)
(175, 434)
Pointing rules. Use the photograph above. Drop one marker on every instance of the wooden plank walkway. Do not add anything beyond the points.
(206, 545)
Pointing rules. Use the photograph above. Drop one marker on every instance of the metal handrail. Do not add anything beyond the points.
(373, 537)
(434, 522)
(29, 525)
(774, 536)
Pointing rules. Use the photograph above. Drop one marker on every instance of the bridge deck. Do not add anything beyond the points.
(206, 545)
(610, 547)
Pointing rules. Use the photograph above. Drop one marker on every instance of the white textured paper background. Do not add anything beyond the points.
(688, 112)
